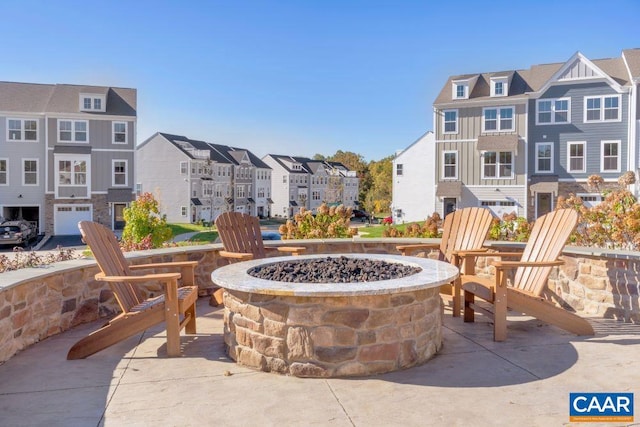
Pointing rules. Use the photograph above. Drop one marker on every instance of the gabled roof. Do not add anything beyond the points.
(308, 165)
(632, 61)
(217, 152)
(480, 86)
(64, 98)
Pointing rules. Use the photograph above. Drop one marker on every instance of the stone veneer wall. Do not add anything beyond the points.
(36, 303)
(324, 337)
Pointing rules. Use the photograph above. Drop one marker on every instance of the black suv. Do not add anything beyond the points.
(361, 215)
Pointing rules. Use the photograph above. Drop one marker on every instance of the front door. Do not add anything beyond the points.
(543, 203)
(449, 205)
(118, 216)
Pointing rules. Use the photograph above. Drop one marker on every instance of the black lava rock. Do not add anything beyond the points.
(333, 270)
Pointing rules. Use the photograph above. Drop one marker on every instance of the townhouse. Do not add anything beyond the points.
(514, 141)
(413, 169)
(302, 182)
(195, 180)
(66, 154)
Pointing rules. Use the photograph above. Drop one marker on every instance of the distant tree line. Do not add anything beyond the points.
(375, 179)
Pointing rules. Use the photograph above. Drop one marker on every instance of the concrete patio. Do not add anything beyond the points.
(524, 381)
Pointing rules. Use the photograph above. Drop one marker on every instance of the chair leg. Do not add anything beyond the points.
(500, 314)
(455, 291)
(468, 309)
(190, 327)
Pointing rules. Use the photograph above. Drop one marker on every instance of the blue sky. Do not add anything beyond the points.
(298, 77)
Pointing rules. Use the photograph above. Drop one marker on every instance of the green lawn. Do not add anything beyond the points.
(186, 228)
(374, 231)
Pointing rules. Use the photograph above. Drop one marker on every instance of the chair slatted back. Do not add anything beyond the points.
(546, 242)
(108, 254)
(464, 229)
(240, 232)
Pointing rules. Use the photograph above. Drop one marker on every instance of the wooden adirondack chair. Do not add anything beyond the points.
(242, 240)
(548, 237)
(463, 230)
(138, 313)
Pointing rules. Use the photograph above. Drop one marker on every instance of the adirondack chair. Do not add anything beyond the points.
(463, 230)
(242, 240)
(138, 313)
(548, 237)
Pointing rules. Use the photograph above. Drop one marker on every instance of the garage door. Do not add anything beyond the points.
(66, 217)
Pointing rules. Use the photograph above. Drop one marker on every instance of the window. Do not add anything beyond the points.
(138, 188)
(552, 111)
(72, 172)
(450, 121)
(4, 172)
(22, 130)
(576, 156)
(399, 169)
(183, 210)
(497, 164)
(450, 164)
(590, 200)
(29, 172)
(460, 90)
(315, 195)
(240, 191)
(72, 131)
(610, 156)
(498, 119)
(92, 102)
(119, 132)
(119, 172)
(602, 109)
(284, 179)
(499, 86)
(544, 157)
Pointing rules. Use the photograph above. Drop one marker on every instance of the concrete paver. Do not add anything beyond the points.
(524, 381)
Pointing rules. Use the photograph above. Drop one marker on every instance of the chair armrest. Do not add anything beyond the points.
(406, 249)
(295, 250)
(481, 253)
(508, 265)
(243, 256)
(135, 279)
(164, 265)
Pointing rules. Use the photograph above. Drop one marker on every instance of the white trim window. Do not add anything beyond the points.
(590, 200)
(498, 119)
(30, 172)
(605, 108)
(544, 157)
(92, 102)
(610, 156)
(73, 131)
(577, 156)
(184, 168)
(553, 111)
(499, 86)
(449, 165)
(399, 170)
(497, 164)
(119, 177)
(72, 172)
(22, 130)
(240, 191)
(460, 90)
(183, 211)
(4, 171)
(450, 121)
(119, 131)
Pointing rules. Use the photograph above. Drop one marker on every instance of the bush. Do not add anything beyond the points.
(428, 229)
(144, 228)
(329, 222)
(511, 228)
(24, 259)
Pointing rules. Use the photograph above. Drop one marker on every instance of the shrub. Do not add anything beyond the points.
(328, 222)
(511, 228)
(144, 228)
(25, 259)
(427, 230)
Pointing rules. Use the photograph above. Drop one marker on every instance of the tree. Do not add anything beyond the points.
(377, 197)
(144, 228)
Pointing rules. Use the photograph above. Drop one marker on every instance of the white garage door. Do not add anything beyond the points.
(66, 217)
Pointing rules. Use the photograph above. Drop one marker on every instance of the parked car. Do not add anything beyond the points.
(387, 220)
(359, 214)
(17, 232)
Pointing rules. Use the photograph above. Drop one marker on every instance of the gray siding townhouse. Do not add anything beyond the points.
(580, 124)
(480, 123)
(196, 180)
(66, 154)
(302, 182)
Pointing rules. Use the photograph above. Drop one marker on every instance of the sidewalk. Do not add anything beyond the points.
(473, 381)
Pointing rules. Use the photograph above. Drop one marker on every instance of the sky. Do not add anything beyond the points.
(300, 77)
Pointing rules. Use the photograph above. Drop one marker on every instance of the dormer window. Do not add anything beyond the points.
(91, 102)
(461, 90)
(499, 87)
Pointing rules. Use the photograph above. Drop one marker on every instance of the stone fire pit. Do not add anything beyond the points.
(333, 329)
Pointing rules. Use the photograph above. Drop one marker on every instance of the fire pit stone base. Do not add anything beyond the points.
(332, 336)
